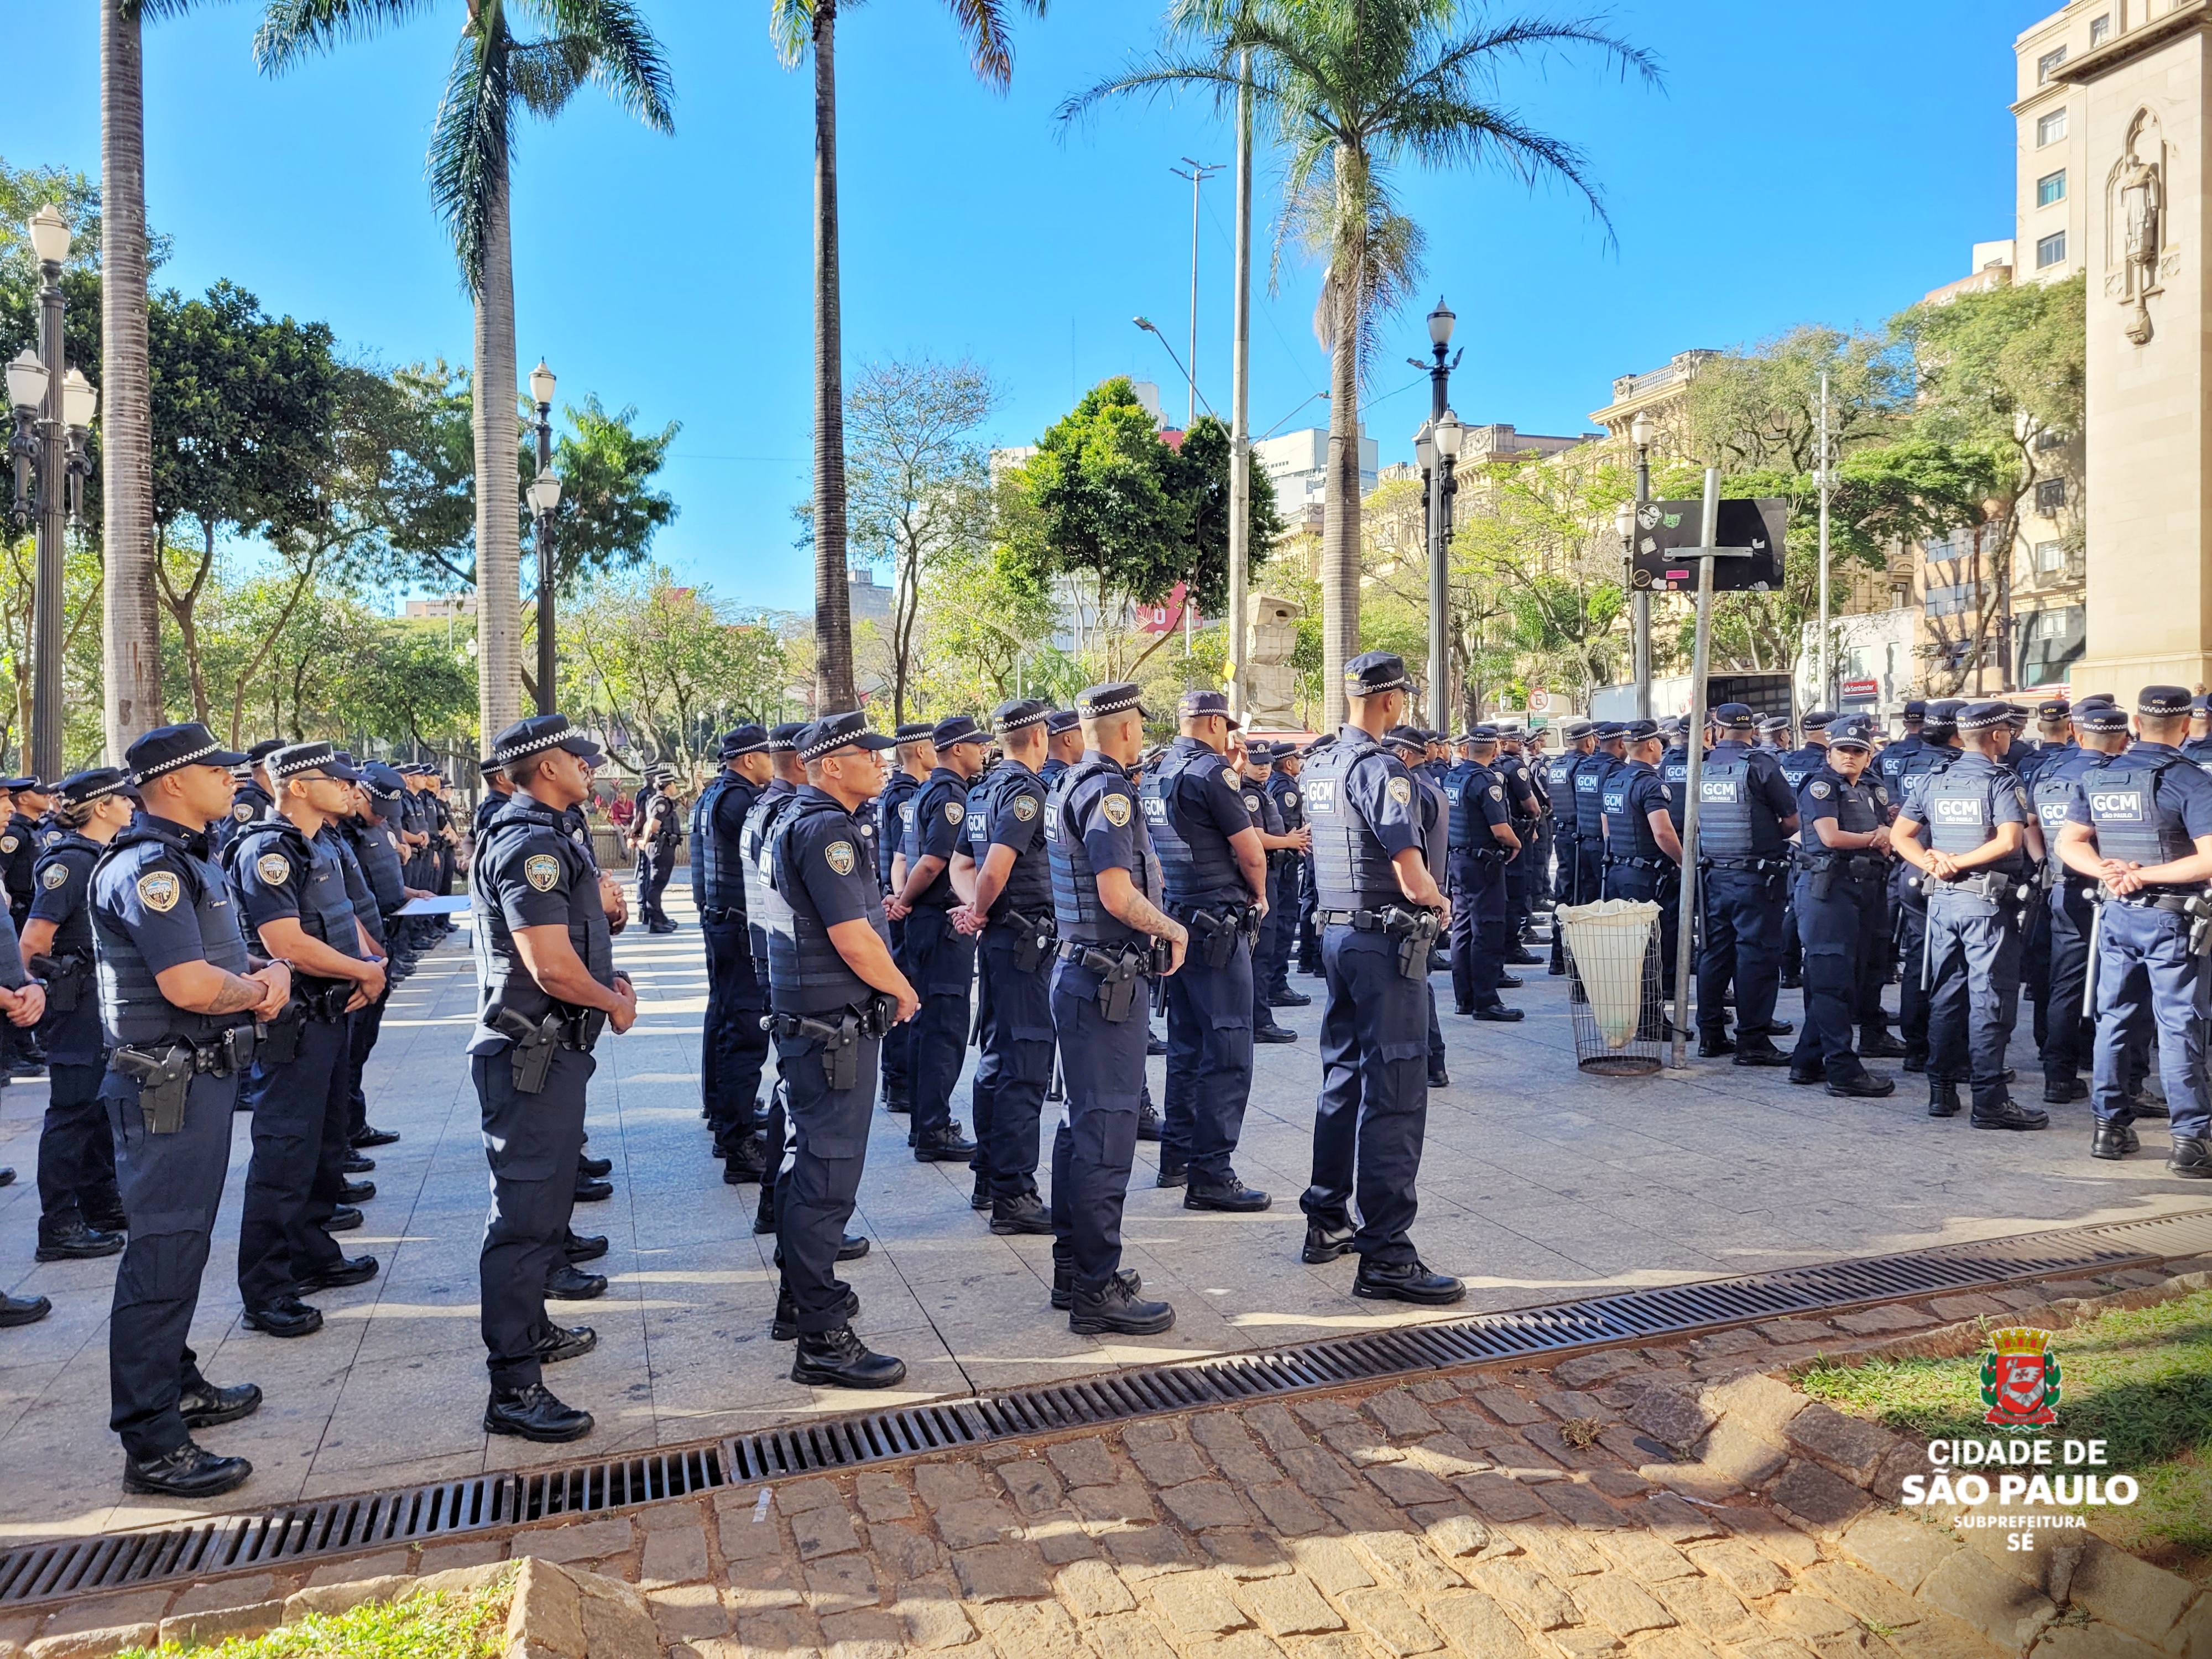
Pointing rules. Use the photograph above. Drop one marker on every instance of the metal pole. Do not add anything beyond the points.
(1640, 600)
(1439, 543)
(1240, 414)
(1692, 784)
(45, 745)
(544, 536)
(1824, 693)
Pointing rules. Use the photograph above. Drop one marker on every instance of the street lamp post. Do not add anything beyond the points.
(544, 496)
(1641, 431)
(1437, 497)
(54, 405)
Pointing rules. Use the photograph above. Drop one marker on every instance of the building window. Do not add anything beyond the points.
(2050, 251)
(2051, 189)
(2047, 65)
(1950, 601)
(2050, 642)
(2049, 129)
(2050, 438)
(2050, 495)
(2049, 558)
(2101, 30)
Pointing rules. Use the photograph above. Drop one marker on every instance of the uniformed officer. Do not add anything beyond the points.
(1774, 732)
(1590, 775)
(835, 990)
(1891, 761)
(295, 903)
(254, 797)
(1286, 870)
(1745, 819)
(1208, 826)
(915, 760)
(1255, 767)
(2199, 746)
(654, 833)
(1098, 845)
(2053, 729)
(1380, 912)
(546, 985)
(2068, 1035)
(1010, 913)
(2029, 759)
(1932, 742)
(1981, 843)
(1579, 738)
(1643, 853)
(1307, 944)
(939, 960)
(788, 774)
(1797, 765)
(80, 1212)
(1524, 801)
(367, 842)
(497, 787)
(732, 1048)
(2142, 825)
(1483, 846)
(178, 1000)
(1840, 872)
(18, 853)
(1410, 744)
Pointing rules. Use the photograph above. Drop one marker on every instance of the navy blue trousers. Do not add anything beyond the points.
(1836, 935)
(1973, 1001)
(2147, 978)
(1209, 1071)
(732, 1048)
(942, 967)
(2068, 1034)
(821, 1179)
(1477, 928)
(77, 1151)
(898, 1042)
(531, 1143)
(1373, 1112)
(1103, 1068)
(1743, 942)
(299, 1107)
(1014, 1026)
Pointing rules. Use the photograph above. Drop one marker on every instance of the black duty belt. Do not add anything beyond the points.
(1613, 863)
(2151, 900)
(1371, 921)
(721, 912)
(1757, 866)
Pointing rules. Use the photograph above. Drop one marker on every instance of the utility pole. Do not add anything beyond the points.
(1436, 447)
(1641, 431)
(1240, 400)
(1823, 693)
(1199, 173)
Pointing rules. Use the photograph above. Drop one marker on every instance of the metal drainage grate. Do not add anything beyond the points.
(340, 1525)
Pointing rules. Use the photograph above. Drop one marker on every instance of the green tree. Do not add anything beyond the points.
(655, 663)
(1352, 88)
(496, 75)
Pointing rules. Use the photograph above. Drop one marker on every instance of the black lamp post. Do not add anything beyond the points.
(1437, 445)
(544, 496)
(54, 406)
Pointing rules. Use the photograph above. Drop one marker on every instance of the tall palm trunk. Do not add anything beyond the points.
(1339, 531)
(834, 689)
(498, 531)
(130, 646)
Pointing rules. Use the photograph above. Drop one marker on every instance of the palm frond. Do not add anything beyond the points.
(1446, 133)
(292, 28)
(623, 56)
(791, 29)
(1525, 37)
(546, 73)
(1160, 75)
(471, 142)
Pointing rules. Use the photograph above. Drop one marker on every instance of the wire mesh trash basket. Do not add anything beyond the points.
(1613, 968)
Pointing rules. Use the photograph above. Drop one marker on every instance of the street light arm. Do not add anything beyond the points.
(1150, 329)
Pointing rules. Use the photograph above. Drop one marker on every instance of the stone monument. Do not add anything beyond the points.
(1272, 627)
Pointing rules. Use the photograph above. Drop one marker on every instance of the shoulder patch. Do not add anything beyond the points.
(1497, 792)
(1882, 793)
(838, 855)
(954, 811)
(1251, 803)
(273, 868)
(9, 843)
(160, 890)
(1821, 791)
(1401, 790)
(1290, 798)
(2020, 795)
(1115, 806)
(56, 875)
(243, 811)
(541, 871)
(906, 811)
(1025, 807)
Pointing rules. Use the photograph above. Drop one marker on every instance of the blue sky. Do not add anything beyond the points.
(1801, 163)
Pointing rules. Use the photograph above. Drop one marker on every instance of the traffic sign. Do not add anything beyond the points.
(1663, 526)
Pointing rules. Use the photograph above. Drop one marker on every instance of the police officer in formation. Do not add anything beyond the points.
(655, 832)
(1114, 940)
(1380, 909)
(1412, 746)
(1207, 825)
(1255, 765)
(2068, 1032)
(788, 774)
(1287, 871)
(1643, 849)
(28, 800)
(1747, 814)
(1981, 844)
(1483, 846)
(733, 1049)
(2140, 825)
(546, 987)
(1010, 912)
(1838, 909)
(1525, 804)
(1930, 741)
(916, 758)
(1595, 766)
(937, 957)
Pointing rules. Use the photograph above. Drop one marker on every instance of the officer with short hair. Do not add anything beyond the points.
(1254, 763)
(2069, 1034)
(254, 796)
(1605, 755)
(178, 1000)
(1286, 871)
(787, 775)
(497, 787)
(1932, 743)
(2052, 727)
(1010, 912)
(1643, 853)
(2141, 826)
(2199, 746)
(1098, 845)
(546, 985)
(732, 1048)
(1797, 765)
(940, 959)
(80, 1212)
(1482, 845)
(1981, 843)
(1207, 825)
(1841, 868)
(1379, 910)
(1745, 818)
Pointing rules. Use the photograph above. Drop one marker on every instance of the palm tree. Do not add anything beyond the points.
(1350, 88)
(794, 25)
(471, 147)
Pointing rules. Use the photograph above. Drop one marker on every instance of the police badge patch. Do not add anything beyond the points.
(273, 868)
(243, 811)
(838, 855)
(1290, 798)
(159, 889)
(1251, 803)
(9, 844)
(1117, 808)
(1496, 793)
(1025, 807)
(954, 811)
(1821, 791)
(541, 871)
(56, 875)
(1401, 790)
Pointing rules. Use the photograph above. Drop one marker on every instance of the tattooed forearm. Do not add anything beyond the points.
(1143, 914)
(236, 995)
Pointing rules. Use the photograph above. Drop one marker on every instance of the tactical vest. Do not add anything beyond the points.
(1856, 810)
(74, 931)
(894, 810)
(343, 837)
(1464, 788)
(1351, 870)
(326, 909)
(1284, 792)
(1628, 830)
(718, 863)
(1560, 785)
(1196, 867)
(500, 977)
(1724, 826)
(2052, 793)
(1435, 826)
(132, 1009)
(1029, 884)
(1075, 901)
(2123, 799)
(1800, 764)
(934, 795)
(1892, 761)
(1589, 794)
(805, 975)
(765, 909)
(379, 853)
(700, 808)
(1955, 806)
(1674, 773)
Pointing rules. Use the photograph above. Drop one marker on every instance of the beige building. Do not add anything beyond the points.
(2052, 194)
(1659, 393)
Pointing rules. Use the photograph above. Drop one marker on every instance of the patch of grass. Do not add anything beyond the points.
(2140, 1381)
(434, 1626)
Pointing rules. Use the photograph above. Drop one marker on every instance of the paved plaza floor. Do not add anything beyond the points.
(1538, 1183)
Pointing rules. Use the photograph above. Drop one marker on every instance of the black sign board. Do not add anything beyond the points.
(1662, 526)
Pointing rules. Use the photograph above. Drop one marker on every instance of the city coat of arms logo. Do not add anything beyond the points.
(2020, 1379)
